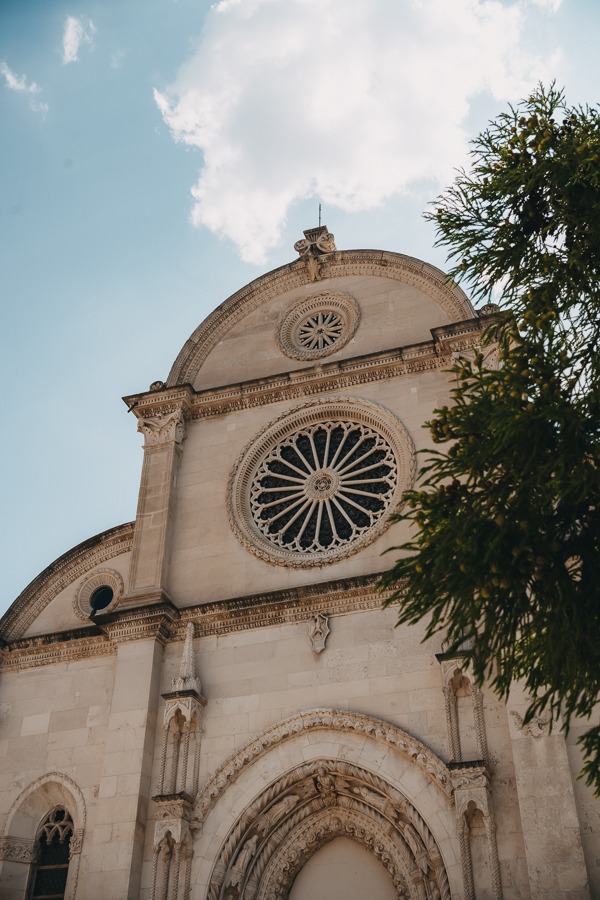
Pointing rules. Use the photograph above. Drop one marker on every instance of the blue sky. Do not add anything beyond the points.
(157, 155)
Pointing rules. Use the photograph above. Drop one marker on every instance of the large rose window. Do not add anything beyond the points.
(321, 482)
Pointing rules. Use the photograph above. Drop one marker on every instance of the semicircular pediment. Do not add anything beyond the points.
(352, 267)
(90, 554)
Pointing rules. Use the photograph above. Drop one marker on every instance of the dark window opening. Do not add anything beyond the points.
(50, 877)
(101, 598)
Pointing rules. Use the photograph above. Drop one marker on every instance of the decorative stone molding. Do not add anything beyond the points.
(172, 843)
(318, 631)
(326, 377)
(471, 784)
(62, 573)
(47, 649)
(316, 243)
(319, 240)
(318, 831)
(311, 805)
(139, 623)
(19, 850)
(451, 667)
(182, 719)
(76, 843)
(222, 617)
(377, 429)
(316, 720)
(333, 265)
(318, 326)
(100, 578)
(71, 792)
(159, 430)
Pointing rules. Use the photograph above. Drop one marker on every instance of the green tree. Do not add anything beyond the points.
(505, 519)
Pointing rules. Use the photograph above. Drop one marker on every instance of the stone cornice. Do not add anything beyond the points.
(165, 623)
(60, 574)
(396, 266)
(315, 379)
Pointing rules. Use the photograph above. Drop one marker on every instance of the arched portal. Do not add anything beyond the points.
(309, 807)
(343, 870)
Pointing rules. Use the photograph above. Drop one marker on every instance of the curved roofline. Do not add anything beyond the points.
(448, 295)
(59, 574)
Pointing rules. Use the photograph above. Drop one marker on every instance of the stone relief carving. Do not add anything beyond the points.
(330, 719)
(315, 243)
(312, 804)
(19, 850)
(160, 429)
(538, 727)
(318, 631)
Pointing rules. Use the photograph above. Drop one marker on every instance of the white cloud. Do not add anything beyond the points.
(349, 101)
(548, 5)
(20, 84)
(76, 33)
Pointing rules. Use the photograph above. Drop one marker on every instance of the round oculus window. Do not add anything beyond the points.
(99, 592)
(320, 483)
(318, 326)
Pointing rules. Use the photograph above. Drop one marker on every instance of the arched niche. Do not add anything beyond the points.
(28, 812)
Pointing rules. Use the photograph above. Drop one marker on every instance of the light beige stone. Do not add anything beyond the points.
(197, 714)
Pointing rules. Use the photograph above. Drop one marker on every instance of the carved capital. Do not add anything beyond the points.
(76, 842)
(19, 850)
(161, 429)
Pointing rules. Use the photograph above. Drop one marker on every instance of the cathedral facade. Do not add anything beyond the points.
(209, 703)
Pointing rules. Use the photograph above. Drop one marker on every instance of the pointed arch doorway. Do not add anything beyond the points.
(343, 870)
(321, 819)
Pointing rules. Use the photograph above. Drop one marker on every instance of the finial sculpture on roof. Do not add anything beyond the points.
(187, 680)
(315, 243)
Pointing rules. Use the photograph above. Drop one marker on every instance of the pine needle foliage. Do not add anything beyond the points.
(504, 556)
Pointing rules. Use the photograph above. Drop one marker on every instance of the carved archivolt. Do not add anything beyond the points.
(316, 485)
(312, 805)
(70, 796)
(315, 720)
(340, 264)
(318, 326)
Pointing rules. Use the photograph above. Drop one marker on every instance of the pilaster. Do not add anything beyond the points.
(164, 434)
(551, 833)
(124, 790)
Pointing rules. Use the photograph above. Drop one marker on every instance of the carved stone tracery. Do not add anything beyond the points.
(318, 326)
(347, 462)
(309, 807)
